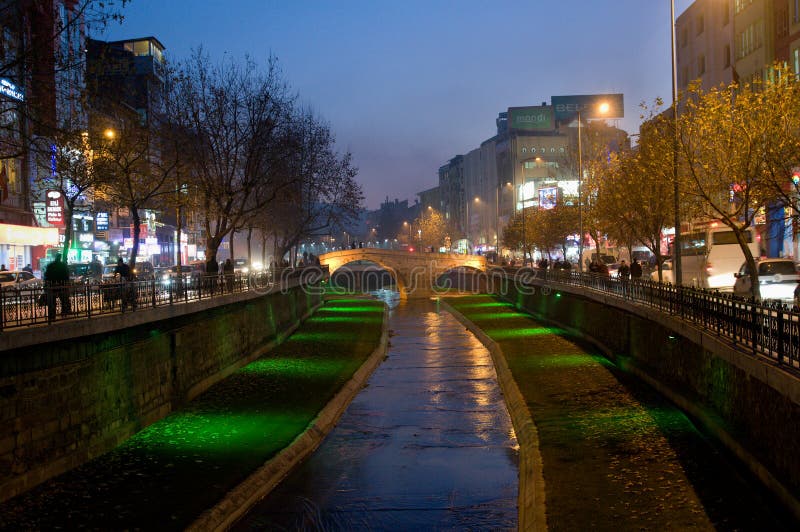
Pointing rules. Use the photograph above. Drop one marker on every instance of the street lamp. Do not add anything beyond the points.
(602, 109)
(406, 224)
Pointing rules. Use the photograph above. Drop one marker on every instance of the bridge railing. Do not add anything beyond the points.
(41, 304)
(771, 329)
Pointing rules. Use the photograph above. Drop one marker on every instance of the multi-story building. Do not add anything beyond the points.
(718, 42)
(41, 81)
(130, 75)
(533, 155)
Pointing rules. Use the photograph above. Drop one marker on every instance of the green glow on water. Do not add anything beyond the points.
(360, 308)
(522, 332)
(495, 315)
(559, 360)
(357, 300)
(344, 319)
(629, 422)
(322, 336)
(493, 304)
(295, 367)
(222, 432)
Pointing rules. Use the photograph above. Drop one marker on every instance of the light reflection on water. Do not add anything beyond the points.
(428, 444)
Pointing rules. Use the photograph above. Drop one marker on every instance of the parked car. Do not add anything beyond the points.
(144, 271)
(777, 279)
(85, 272)
(18, 280)
(666, 272)
(192, 271)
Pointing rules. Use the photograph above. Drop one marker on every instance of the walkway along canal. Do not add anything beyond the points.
(427, 445)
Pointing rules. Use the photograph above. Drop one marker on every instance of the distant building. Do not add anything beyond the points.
(718, 42)
(534, 151)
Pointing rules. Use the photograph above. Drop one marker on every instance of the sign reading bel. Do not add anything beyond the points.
(589, 105)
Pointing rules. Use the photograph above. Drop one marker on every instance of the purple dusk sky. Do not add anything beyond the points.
(407, 85)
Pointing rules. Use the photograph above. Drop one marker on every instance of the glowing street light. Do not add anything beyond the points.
(109, 134)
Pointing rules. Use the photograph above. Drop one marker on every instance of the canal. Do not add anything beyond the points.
(427, 444)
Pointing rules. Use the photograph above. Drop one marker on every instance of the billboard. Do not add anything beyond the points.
(101, 221)
(567, 107)
(548, 197)
(538, 118)
(54, 208)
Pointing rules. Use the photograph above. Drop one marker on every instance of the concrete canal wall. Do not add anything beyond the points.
(73, 390)
(751, 404)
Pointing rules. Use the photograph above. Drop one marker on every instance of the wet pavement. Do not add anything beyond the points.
(427, 444)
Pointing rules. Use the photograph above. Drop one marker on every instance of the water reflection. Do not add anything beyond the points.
(428, 444)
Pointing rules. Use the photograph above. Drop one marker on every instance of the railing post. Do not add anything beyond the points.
(780, 337)
(753, 314)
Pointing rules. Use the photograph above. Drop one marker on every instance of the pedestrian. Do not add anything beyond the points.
(3, 268)
(227, 271)
(56, 286)
(27, 268)
(624, 271)
(212, 272)
(126, 288)
(636, 270)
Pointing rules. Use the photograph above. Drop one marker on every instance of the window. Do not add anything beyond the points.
(796, 60)
(701, 65)
(726, 15)
(700, 24)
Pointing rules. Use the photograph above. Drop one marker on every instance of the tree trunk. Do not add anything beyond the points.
(135, 235)
(249, 246)
(68, 211)
(230, 243)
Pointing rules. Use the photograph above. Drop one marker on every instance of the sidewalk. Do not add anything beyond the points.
(614, 454)
(171, 472)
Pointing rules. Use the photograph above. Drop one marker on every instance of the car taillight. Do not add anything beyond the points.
(709, 267)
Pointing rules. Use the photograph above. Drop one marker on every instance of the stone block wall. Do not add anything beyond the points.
(754, 403)
(66, 400)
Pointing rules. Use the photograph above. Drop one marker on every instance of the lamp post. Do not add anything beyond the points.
(677, 267)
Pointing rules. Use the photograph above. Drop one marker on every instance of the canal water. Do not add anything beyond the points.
(428, 444)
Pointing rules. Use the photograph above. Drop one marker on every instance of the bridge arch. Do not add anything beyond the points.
(415, 272)
(365, 274)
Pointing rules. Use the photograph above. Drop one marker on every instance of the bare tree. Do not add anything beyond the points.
(236, 117)
(322, 194)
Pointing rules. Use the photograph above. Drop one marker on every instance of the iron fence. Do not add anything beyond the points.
(37, 305)
(769, 329)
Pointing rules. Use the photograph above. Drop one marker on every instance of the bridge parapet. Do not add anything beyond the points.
(415, 272)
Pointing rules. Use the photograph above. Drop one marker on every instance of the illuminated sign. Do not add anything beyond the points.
(589, 105)
(9, 90)
(539, 118)
(101, 221)
(548, 197)
(54, 208)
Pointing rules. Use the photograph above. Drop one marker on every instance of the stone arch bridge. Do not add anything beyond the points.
(414, 271)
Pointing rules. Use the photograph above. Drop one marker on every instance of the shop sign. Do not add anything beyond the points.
(101, 221)
(539, 118)
(54, 208)
(9, 90)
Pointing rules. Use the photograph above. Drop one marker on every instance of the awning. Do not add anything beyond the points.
(23, 235)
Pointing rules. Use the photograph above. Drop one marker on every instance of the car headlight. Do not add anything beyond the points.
(165, 277)
(245, 269)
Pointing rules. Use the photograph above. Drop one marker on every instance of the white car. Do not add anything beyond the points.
(777, 279)
(18, 280)
(666, 272)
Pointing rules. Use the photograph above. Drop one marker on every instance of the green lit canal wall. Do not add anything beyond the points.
(74, 390)
(751, 404)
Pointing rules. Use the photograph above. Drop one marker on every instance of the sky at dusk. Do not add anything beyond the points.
(406, 86)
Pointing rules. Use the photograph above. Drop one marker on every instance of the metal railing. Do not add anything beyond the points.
(769, 329)
(31, 306)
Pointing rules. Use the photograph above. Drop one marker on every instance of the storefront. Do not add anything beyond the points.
(21, 245)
